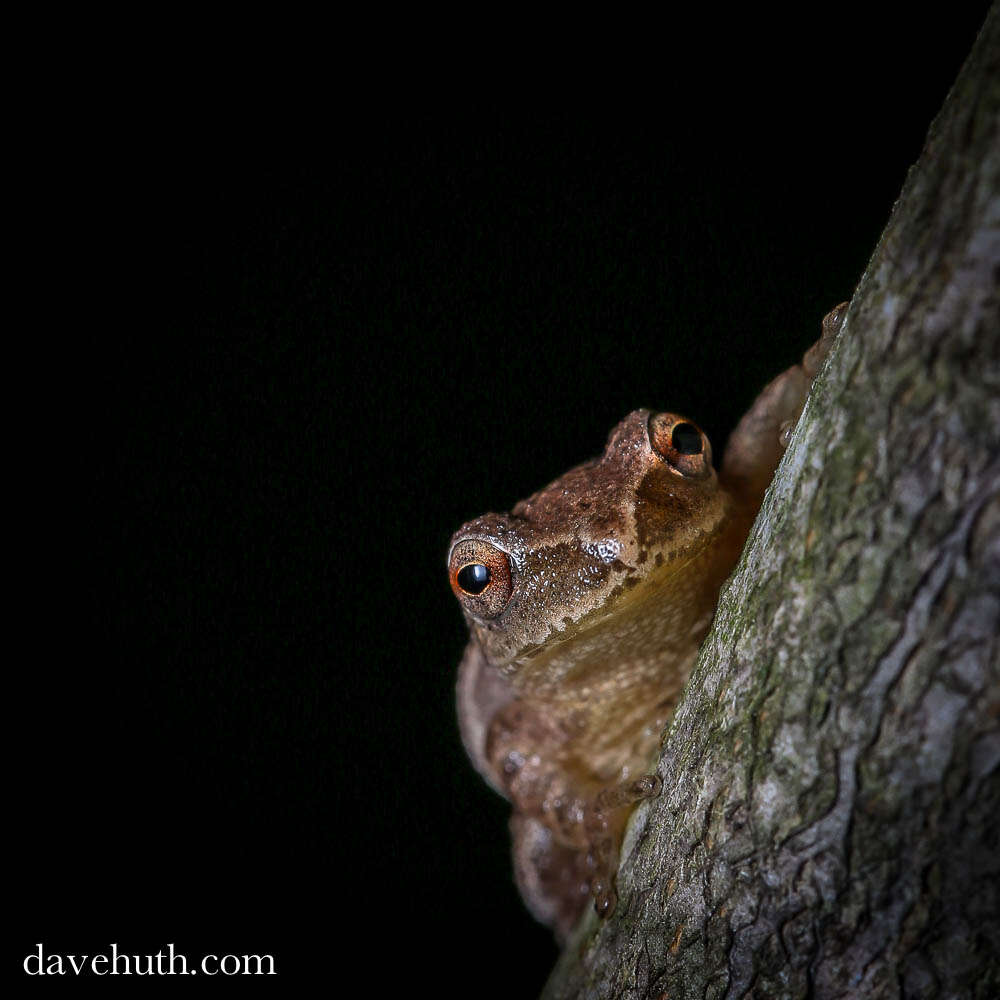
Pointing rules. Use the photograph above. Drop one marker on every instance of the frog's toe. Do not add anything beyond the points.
(785, 433)
(605, 897)
(816, 355)
(629, 792)
(648, 786)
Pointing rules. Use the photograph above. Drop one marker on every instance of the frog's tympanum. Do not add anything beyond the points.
(586, 606)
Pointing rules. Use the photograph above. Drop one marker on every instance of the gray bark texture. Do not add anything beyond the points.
(829, 820)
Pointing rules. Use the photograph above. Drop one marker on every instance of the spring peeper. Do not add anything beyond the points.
(586, 605)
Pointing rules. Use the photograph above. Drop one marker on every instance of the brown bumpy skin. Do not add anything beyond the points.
(586, 606)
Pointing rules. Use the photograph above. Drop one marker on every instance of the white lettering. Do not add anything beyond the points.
(39, 958)
(114, 962)
(173, 956)
(77, 968)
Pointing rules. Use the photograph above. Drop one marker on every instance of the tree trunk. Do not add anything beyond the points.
(829, 820)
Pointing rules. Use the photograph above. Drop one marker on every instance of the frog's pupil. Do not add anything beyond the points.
(474, 578)
(686, 439)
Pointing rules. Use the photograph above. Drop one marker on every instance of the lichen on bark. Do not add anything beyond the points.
(830, 820)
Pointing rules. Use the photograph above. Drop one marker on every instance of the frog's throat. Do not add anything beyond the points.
(669, 611)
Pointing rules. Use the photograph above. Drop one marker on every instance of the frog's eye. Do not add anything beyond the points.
(480, 576)
(681, 444)
(686, 439)
(473, 578)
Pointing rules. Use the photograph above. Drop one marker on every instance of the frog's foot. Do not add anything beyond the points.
(813, 359)
(605, 825)
(566, 854)
(757, 444)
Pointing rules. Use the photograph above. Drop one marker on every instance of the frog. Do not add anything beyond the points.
(586, 606)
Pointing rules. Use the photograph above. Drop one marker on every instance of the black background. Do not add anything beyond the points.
(273, 367)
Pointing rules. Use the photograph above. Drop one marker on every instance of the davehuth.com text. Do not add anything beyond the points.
(163, 963)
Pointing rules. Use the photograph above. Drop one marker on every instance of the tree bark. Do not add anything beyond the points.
(830, 819)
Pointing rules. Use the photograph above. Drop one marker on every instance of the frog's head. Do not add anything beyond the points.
(591, 547)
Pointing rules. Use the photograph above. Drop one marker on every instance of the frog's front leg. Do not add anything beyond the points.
(756, 446)
(567, 824)
(605, 826)
(557, 880)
